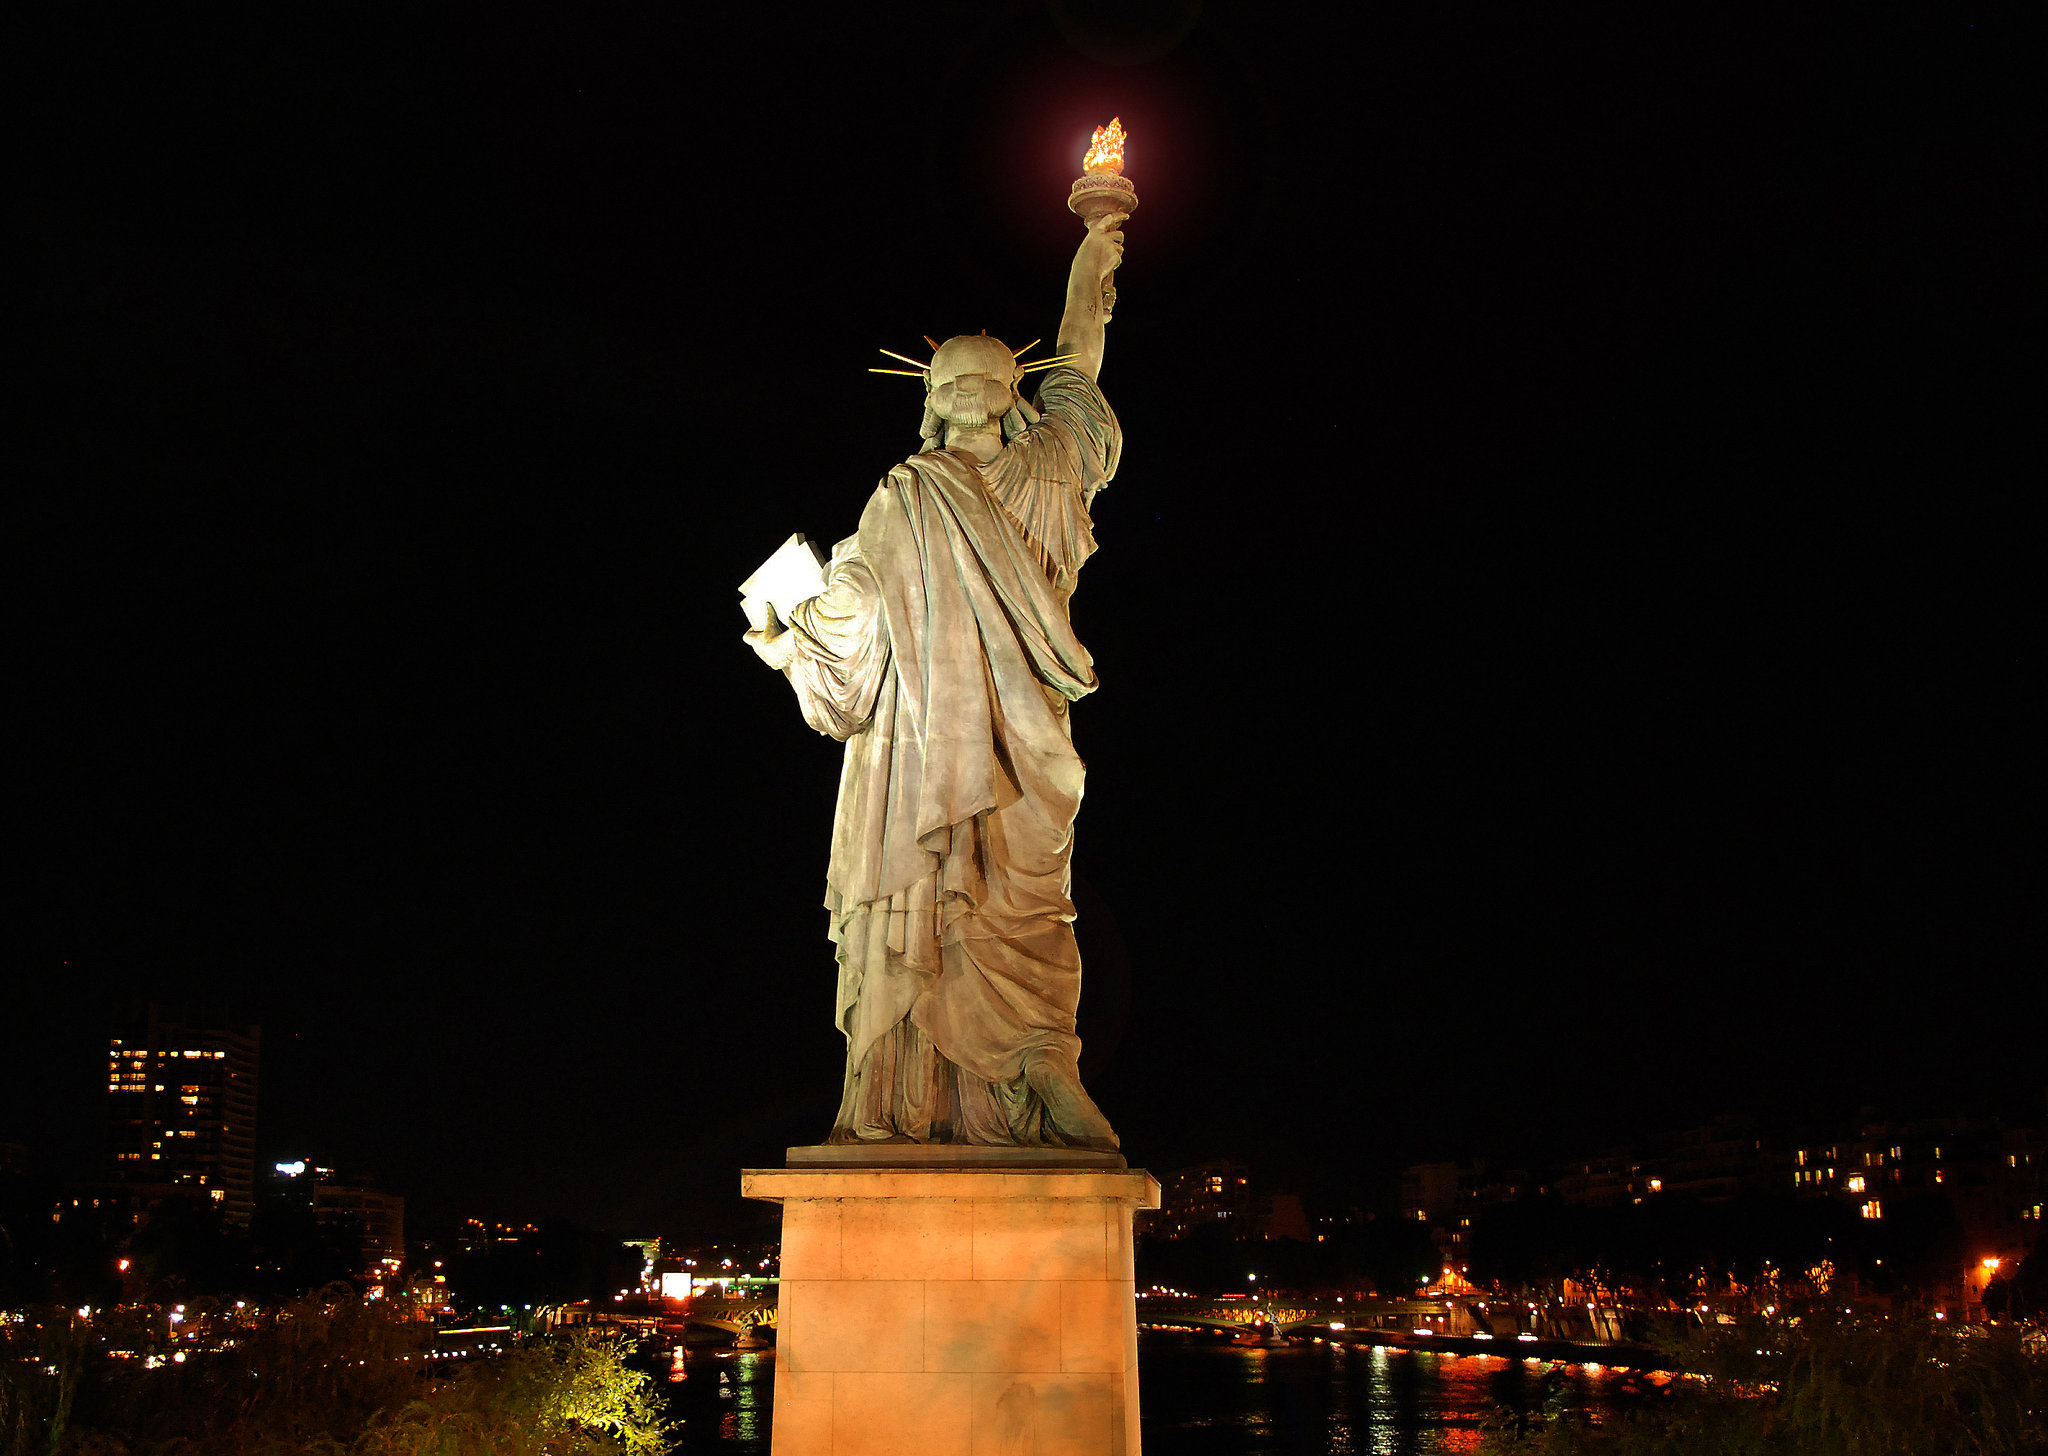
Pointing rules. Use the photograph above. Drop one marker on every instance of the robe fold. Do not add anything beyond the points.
(942, 655)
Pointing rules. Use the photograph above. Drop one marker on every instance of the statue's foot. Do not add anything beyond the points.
(843, 1137)
(1073, 1113)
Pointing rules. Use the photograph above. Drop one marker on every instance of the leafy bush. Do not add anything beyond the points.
(42, 1354)
(1817, 1385)
(564, 1398)
(334, 1375)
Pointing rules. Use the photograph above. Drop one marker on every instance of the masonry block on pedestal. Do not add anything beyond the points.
(935, 1310)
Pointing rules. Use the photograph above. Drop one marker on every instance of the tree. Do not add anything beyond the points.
(296, 1252)
(1817, 1384)
(2021, 1292)
(333, 1374)
(184, 1249)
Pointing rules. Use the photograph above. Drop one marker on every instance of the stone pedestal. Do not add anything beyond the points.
(955, 1310)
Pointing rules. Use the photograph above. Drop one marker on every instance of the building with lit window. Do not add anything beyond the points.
(1198, 1197)
(1446, 1197)
(1222, 1195)
(181, 1109)
(374, 1218)
(1994, 1176)
(1716, 1163)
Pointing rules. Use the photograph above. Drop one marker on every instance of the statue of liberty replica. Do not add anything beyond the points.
(937, 648)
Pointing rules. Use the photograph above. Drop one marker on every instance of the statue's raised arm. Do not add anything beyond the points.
(1089, 296)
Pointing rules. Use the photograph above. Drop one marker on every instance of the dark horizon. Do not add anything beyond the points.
(1564, 618)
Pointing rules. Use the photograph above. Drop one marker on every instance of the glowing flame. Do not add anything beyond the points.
(1106, 152)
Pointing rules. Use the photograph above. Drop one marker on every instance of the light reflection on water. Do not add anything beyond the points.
(1204, 1399)
(1207, 1399)
(722, 1397)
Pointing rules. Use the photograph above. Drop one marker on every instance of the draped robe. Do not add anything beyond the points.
(942, 655)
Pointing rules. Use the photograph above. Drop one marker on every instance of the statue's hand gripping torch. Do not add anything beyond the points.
(1102, 189)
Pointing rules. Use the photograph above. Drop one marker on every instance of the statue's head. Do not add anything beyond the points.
(972, 381)
(971, 384)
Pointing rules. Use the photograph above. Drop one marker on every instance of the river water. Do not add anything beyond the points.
(1208, 1399)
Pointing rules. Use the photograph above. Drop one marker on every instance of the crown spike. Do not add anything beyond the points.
(932, 341)
(911, 373)
(1019, 353)
(905, 358)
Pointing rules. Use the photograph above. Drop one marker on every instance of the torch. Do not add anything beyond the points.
(1102, 188)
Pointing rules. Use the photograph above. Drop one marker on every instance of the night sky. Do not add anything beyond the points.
(1568, 618)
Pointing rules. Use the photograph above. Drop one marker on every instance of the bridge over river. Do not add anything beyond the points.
(745, 1317)
(1452, 1317)
(749, 1315)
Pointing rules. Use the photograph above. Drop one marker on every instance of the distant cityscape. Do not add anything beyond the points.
(1970, 1194)
(178, 1198)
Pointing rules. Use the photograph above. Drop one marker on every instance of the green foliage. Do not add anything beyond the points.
(1819, 1385)
(42, 1354)
(566, 1398)
(336, 1375)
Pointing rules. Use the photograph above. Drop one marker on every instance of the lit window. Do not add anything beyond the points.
(1872, 1209)
(1856, 1184)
